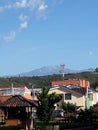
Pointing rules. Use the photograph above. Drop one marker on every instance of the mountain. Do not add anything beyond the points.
(50, 70)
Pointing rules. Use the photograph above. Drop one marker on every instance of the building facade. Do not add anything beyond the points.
(75, 96)
(80, 82)
(15, 90)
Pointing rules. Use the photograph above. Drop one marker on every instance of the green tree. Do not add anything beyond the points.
(45, 108)
(70, 111)
(88, 115)
(69, 107)
(96, 70)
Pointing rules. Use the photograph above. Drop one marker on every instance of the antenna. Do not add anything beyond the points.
(63, 70)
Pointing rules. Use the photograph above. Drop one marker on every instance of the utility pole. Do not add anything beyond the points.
(32, 110)
(12, 89)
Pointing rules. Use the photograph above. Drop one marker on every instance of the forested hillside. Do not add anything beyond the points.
(46, 80)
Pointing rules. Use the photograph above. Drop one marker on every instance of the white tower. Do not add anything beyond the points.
(63, 70)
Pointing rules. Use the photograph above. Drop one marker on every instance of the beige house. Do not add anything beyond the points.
(75, 95)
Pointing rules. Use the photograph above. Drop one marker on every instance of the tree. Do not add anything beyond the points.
(88, 115)
(69, 107)
(45, 108)
(96, 70)
(70, 110)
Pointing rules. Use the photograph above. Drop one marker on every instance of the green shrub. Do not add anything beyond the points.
(56, 127)
(10, 128)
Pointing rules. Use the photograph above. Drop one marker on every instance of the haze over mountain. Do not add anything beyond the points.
(50, 70)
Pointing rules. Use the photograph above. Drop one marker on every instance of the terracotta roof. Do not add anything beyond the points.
(4, 98)
(18, 101)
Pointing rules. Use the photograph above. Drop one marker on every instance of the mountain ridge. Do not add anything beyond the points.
(50, 70)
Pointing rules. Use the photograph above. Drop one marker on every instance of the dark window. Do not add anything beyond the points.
(68, 96)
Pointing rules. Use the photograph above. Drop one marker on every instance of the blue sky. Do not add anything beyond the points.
(37, 33)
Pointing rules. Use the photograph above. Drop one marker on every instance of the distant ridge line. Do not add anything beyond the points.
(50, 70)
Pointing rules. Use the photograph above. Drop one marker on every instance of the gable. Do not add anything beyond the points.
(57, 91)
(64, 90)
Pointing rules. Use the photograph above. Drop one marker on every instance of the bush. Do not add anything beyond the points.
(10, 128)
(56, 127)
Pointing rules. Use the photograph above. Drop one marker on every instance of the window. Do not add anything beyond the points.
(68, 96)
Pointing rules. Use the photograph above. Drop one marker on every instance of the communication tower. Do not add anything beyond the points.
(63, 70)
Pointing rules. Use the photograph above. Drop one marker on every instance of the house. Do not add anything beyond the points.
(17, 110)
(15, 90)
(17, 106)
(80, 82)
(76, 95)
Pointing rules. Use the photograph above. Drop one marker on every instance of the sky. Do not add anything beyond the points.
(37, 33)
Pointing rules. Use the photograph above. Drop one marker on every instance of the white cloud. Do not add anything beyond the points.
(90, 53)
(6, 7)
(33, 4)
(21, 4)
(42, 7)
(23, 17)
(38, 6)
(10, 37)
(41, 12)
(14, 5)
(30, 4)
(23, 25)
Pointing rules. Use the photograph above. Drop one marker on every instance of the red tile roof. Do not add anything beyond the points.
(18, 101)
(4, 98)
